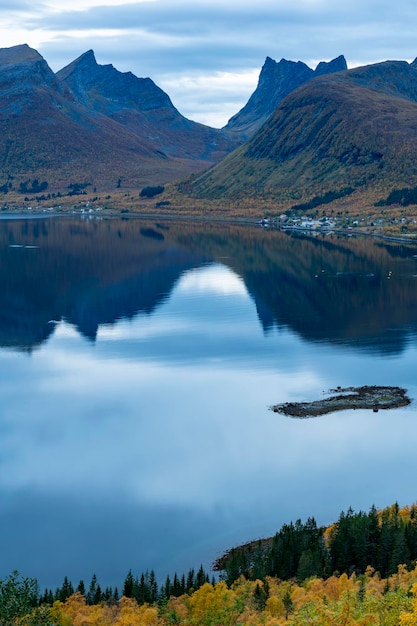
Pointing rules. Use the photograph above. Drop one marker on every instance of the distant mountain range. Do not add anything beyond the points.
(305, 136)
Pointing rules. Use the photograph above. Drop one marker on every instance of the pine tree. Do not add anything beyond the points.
(92, 590)
(81, 588)
(153, 588)
(66, 590)
(200, 578)
(128, 585)
(190, 584)
(98, 596)
(166, 589)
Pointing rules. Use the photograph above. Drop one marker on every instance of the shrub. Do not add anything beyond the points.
(150, 192)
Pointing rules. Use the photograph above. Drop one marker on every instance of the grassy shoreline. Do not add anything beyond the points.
(349, 218)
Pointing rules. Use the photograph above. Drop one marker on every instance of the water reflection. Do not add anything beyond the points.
(138, 433)
(358, 292)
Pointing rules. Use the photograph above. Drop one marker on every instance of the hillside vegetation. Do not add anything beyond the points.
(91, 128)
(328, 140)
(340, 600)
(357, 596)
(354, 131)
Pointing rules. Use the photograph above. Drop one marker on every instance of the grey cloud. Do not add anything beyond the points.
(187, 40)
(184, 18)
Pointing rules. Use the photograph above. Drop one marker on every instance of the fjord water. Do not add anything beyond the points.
(138, 363)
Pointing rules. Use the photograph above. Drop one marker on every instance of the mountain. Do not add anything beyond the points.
(143, 108)
(276, 81)
(350, 132)
(54, 138)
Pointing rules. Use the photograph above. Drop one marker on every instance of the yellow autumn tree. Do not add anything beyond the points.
(79, 613)
(410, 618)
(214, 606)
(131, 614)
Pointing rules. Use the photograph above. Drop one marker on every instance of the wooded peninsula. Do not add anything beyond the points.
(360, 570)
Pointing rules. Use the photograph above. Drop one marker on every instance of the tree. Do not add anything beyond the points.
(81, 588)
(128, 585)
(17, 597)
(260, 595)
(150, 192)
(288, 603)
(92, 590)
(66, 590)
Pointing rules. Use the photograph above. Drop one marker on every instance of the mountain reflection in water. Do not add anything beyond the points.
(138, 362)
(357, 291)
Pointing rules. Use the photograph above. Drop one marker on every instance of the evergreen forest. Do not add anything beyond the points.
(360, 570)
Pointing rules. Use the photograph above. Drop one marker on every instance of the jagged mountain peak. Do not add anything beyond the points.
(350, 132)
(21, 53)
(282, 70)
(335, 65)
(88, 79)
(23, 71)
(86, 67)
(89, 55)
(139, 105)
(276, 81)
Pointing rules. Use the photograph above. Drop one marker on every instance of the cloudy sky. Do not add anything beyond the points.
(207, 54)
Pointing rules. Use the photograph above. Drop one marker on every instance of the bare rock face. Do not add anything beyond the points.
(276, 81)
(143, 108)
(24, 72)
(93, 83)
(336, 65)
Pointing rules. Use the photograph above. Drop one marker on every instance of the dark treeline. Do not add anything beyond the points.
(143, 588)
(327, 198)
(379, 539)
(403, 197)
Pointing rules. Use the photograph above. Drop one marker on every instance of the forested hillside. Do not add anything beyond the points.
(360, 570)
(379, 539)
(365, 600)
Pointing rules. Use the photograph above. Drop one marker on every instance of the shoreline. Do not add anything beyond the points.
(215, 219)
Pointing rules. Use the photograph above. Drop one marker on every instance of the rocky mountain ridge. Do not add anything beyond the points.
(140, 106)
(352, 133)
(340, 133)
(92, 126)
(276, 81)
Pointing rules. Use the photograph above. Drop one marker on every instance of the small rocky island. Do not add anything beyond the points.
(366, 397)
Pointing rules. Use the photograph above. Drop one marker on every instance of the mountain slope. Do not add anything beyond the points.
(143, 108)
(52, 138)
(276, 81)
(355, 129)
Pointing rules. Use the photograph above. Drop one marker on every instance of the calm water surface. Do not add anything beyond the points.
(138, 362)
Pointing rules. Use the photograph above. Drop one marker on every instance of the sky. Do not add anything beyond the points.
(207, 54)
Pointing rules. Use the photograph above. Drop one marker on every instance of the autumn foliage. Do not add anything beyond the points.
(365, 600)
(360, 596)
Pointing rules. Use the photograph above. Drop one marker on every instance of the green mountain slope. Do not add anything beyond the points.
(354, 131)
